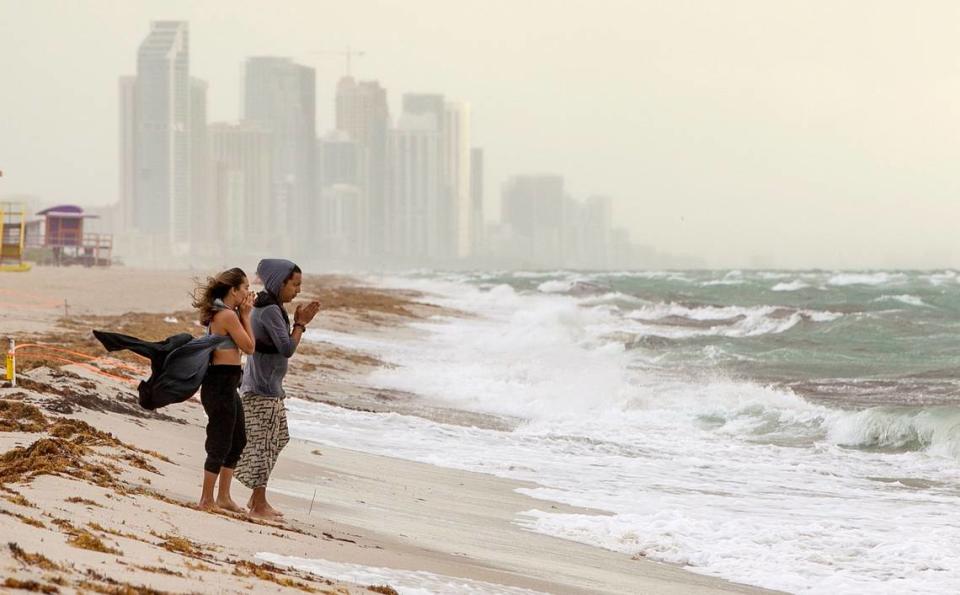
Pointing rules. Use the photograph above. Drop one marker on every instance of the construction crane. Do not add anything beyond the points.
(347, 54)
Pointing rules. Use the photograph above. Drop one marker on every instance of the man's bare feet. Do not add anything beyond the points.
(229, 504)
(207, 505)
(264, 512)
(264, 508)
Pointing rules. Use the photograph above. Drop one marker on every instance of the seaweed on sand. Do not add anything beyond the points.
(270, 573)
(36, 560)
(17, 416)
(29, 585)
(47, 456)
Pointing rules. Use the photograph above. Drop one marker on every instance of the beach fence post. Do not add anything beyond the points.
(12, 362)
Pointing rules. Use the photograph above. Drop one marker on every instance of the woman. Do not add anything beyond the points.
(225, 303)
(263, 410)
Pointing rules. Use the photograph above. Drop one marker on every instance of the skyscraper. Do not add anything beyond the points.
(281, 95)
(476, 201)
(338, 159)
(342, 225)
(456, 163)
(598, 222)
(533, 208)
(424, 103)
(340, 215)
(162, 182)
(454, 205)
(128, 150)
(202, 211)
(242, 159)
(414, 230)
(362, 112)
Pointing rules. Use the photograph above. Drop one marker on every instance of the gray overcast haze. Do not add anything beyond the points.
(772, 133)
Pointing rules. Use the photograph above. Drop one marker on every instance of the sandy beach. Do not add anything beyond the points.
(98, 495)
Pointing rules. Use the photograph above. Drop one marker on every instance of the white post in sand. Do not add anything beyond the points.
(12, 363)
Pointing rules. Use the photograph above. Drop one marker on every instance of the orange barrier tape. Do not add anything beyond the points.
(114, 362)
(88, 366)
(95, 369)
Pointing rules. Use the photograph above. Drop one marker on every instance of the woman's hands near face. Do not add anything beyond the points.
(246, 304)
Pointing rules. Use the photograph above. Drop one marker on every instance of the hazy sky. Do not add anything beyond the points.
(815, 133)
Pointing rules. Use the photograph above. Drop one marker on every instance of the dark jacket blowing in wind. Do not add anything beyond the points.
(177, 364)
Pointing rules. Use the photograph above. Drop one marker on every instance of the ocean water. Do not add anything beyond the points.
(798, 431)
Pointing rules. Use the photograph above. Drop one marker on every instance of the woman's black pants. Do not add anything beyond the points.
(226, 429)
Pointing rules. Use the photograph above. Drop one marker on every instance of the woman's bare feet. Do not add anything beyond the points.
(207, 502)
(224, 500)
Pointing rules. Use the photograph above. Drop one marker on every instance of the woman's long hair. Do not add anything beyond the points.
(215, 288)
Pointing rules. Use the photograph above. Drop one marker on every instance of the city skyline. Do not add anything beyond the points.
(799, 155)
(378, 190)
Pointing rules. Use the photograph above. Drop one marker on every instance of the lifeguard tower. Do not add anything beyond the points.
(63, 234)
(13, 216)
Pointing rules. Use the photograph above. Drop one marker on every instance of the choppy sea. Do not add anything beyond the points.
(792, 430)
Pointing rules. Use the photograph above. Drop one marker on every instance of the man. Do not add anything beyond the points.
(262, 386)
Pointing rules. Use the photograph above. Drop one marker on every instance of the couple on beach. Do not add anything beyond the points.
(244, 435)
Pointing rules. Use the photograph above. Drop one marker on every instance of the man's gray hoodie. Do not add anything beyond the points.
(266, 367)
